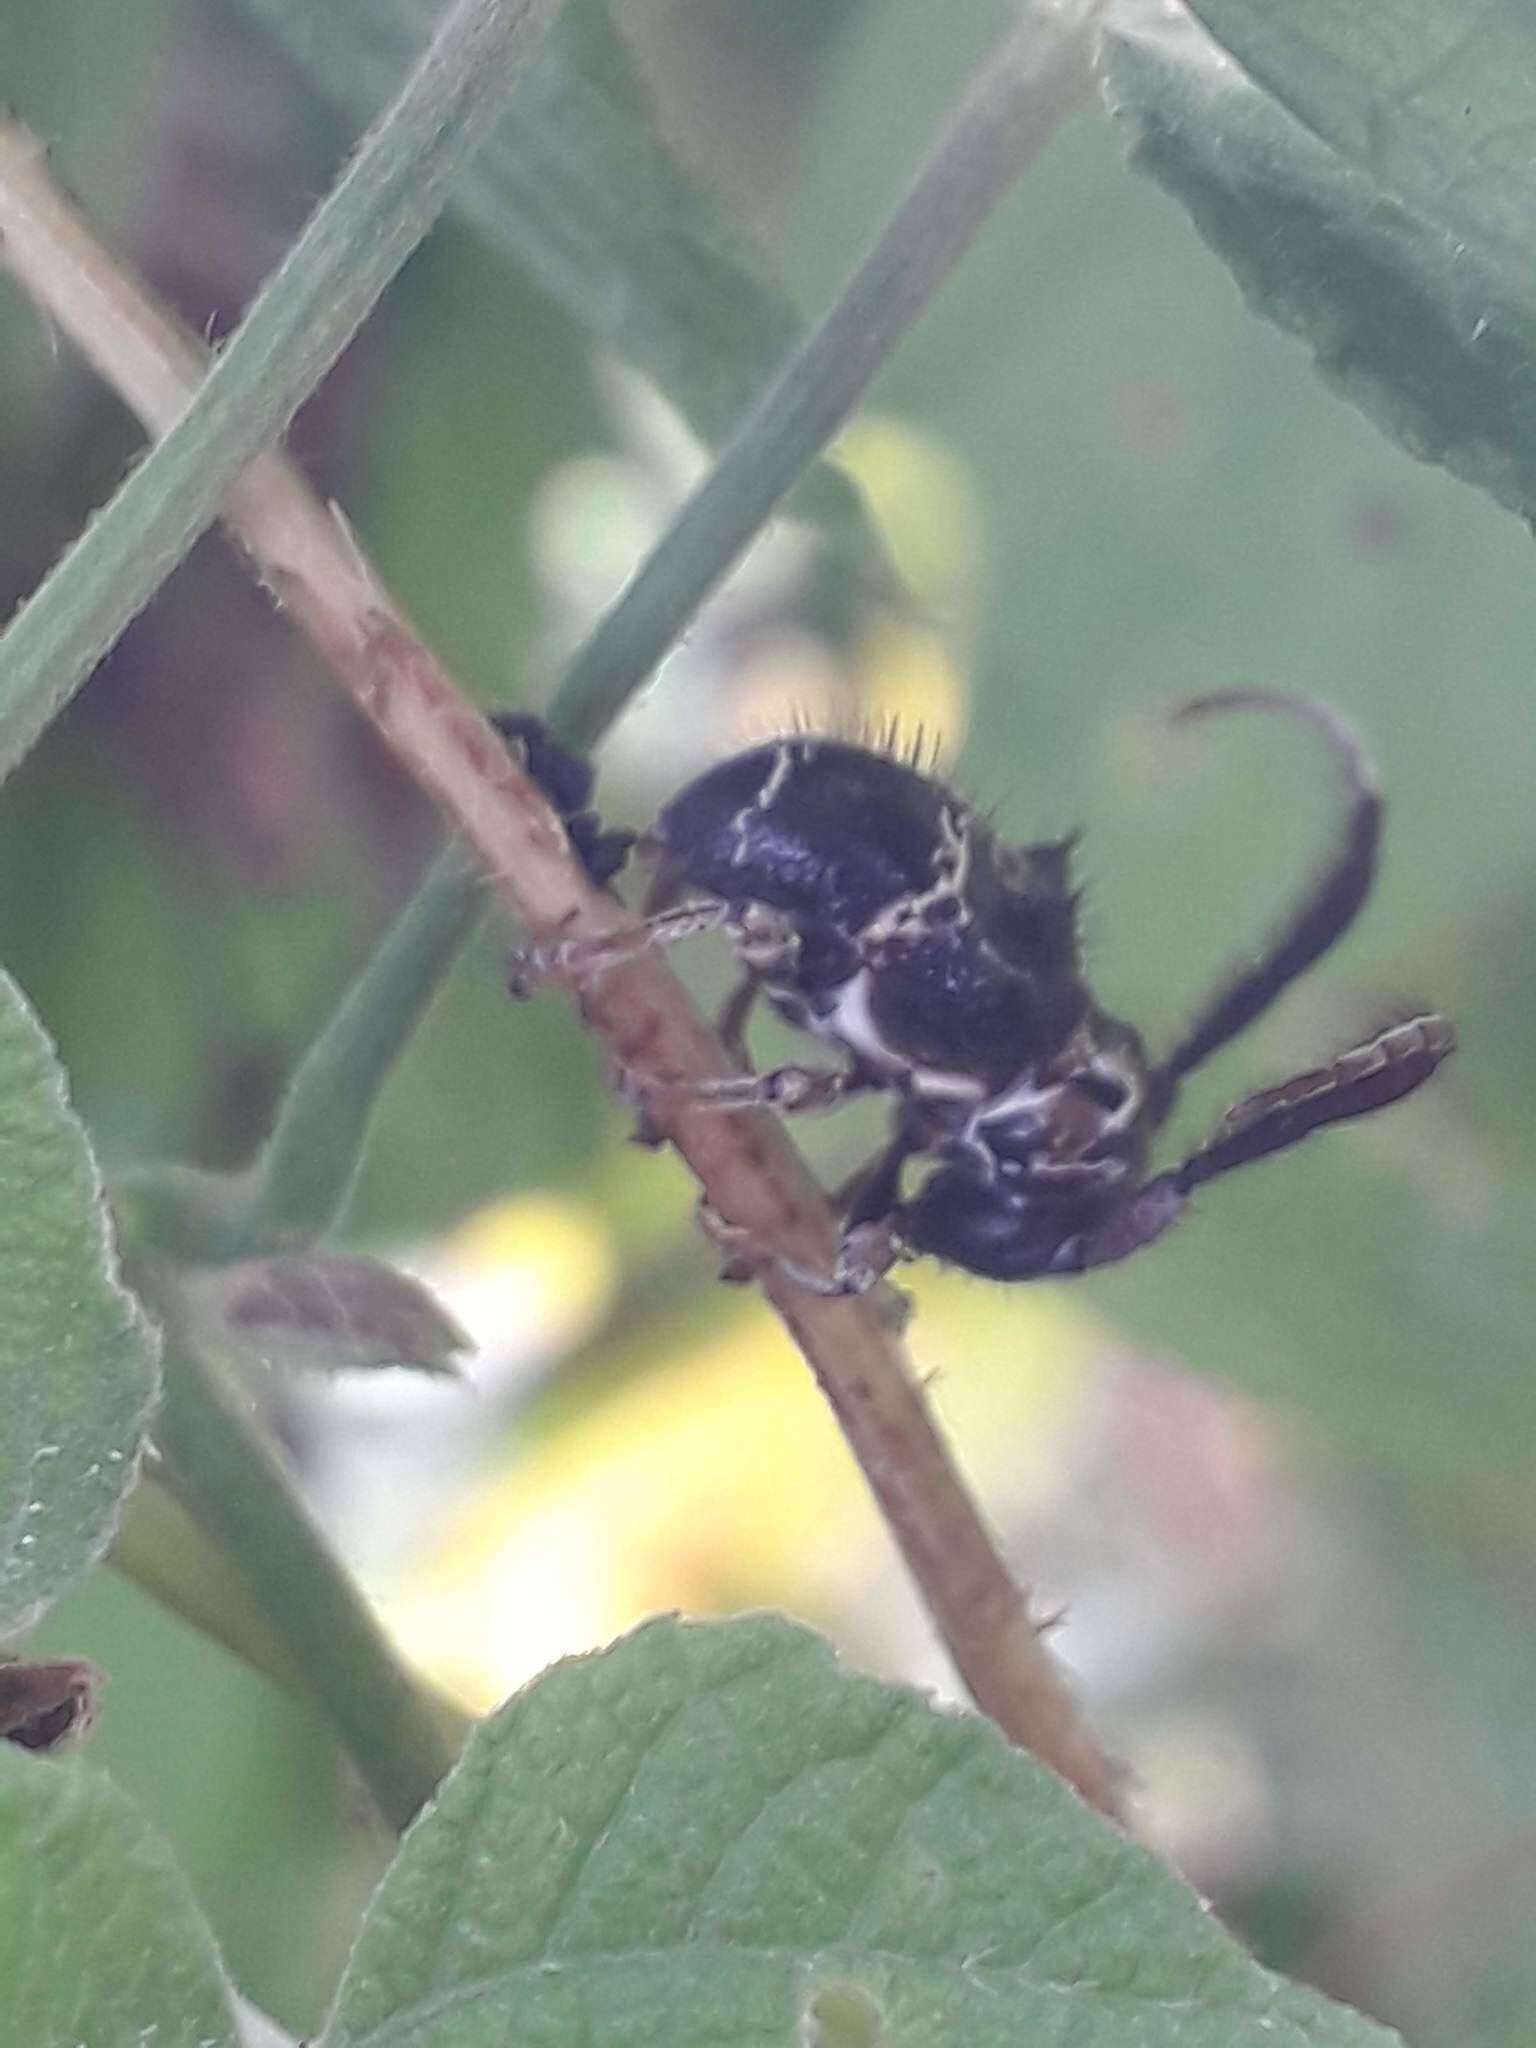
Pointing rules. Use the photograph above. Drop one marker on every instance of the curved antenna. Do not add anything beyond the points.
(1323, 914)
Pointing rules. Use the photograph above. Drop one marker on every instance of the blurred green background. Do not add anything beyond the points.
(1290, 1497)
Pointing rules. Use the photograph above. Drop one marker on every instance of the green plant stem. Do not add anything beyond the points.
(298, 1187)
(401, 1738)
(303, 1181)
(306, 555)
(1036, 76)
(307, 1168)
(390, 194)
(160, 1548)
(581, 190)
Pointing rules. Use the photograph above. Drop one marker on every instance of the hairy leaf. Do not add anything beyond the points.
(1391, 225)
(710, 1834)
(77, 1362)
(100, 1941)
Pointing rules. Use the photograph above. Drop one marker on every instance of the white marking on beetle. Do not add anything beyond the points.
(783, 767)
(1048, 1105)
(764, 798)
(906, 916)
(848, 1020)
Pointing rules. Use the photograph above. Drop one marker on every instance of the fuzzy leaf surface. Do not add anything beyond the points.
(710, 1834)
(1370, 178)
(77, 1360)
(100, 1941)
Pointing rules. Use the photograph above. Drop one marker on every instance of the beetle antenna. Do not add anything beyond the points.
(1326, 909)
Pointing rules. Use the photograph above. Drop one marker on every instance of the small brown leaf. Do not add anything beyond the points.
(335, 1311)
(43, 1706)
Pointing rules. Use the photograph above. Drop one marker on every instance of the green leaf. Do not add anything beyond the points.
(1395, 231)
(710, 1834)
(100, 1941)
(577, 184)
(77, 1361)
(257, 2031)
(332, 1311)
(387, 198)
(1435, 103)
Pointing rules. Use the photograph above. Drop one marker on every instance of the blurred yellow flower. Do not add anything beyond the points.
(720, 1482)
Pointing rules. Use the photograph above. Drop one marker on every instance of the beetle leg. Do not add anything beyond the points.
(865, 1255)
(585, 958)
(731, 1023)
(873, 1192)
(738, 1259)
(790, 1089)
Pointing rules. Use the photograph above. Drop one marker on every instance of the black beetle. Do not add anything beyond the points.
(876, 909)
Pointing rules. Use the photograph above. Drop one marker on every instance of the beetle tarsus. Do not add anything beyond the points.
(586, 958)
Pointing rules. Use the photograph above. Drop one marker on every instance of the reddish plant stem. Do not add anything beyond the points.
(749, 1173)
